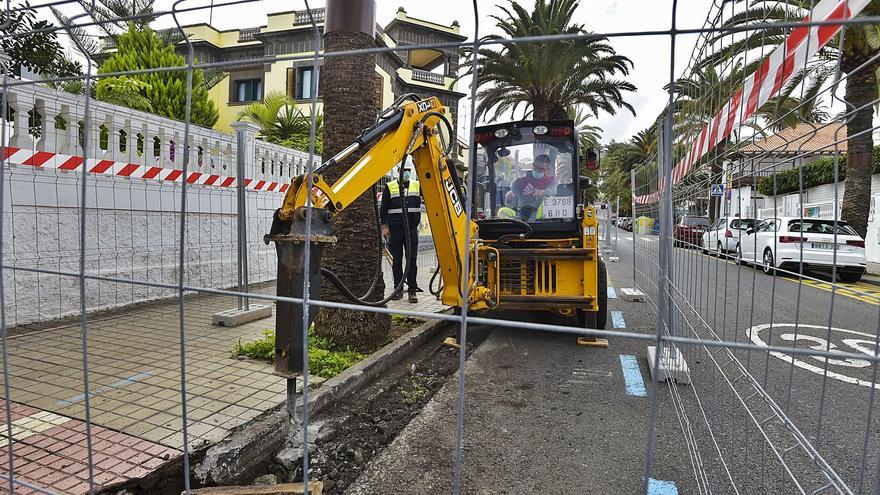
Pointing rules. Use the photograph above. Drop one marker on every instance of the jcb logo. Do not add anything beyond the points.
(425, 105)
(453, 195)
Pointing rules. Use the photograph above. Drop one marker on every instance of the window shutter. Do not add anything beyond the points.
(380, 86)
(291, 83)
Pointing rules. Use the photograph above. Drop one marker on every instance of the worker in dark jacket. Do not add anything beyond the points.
(391, 214)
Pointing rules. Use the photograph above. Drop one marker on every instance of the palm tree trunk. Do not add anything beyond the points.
(861, 90)
(540, 111)
(558, 113)
(347, 85)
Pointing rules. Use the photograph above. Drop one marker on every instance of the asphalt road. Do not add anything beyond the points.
(545, 415)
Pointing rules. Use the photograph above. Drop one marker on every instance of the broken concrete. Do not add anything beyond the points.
(315, 488)
(246, 452)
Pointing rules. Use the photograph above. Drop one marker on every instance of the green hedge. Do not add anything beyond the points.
(816, 173)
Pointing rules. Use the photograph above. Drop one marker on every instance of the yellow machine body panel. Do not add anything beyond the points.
(561, 275)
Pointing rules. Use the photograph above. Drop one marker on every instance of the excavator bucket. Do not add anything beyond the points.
(291, 239)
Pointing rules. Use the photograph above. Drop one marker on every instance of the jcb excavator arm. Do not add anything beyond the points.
(410, 130)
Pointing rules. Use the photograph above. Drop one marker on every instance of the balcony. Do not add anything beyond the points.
(302, 16)
(428, 77)
(248, 34)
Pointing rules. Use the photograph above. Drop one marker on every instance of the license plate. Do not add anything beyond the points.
(822, 245)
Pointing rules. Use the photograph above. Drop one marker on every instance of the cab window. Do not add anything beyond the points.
(526, 177)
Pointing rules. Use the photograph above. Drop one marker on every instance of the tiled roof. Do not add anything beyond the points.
(802, 139)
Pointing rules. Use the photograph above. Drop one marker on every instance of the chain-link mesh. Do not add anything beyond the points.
(124, 232)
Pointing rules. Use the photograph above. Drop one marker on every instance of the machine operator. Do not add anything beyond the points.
(527, 193)
(391, 214)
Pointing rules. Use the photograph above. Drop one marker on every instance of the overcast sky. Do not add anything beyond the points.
(650, 54)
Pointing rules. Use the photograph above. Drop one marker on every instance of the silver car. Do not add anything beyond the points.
(724, 233)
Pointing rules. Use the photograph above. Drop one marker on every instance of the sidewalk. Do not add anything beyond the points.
(426, 263)
(872, 275)
(135, 389)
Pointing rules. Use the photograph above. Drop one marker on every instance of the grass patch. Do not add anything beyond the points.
(406, 321)
(324, 361)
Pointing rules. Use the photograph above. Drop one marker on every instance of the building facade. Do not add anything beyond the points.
(427, 72)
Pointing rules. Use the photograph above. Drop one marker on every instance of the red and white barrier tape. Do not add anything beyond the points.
(47, 160)
(772, 75)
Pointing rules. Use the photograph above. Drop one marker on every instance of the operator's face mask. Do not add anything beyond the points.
(538, 171)
(406, 176)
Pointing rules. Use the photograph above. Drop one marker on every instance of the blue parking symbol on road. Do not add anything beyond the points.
(660, 487)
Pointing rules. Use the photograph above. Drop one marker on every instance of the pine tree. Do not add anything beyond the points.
(140, 49)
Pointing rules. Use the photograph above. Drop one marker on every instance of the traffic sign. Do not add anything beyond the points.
(716, 190)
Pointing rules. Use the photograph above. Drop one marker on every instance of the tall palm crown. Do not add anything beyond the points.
(858, 56)
(548, 77)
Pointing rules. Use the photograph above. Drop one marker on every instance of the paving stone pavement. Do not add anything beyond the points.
(426, 263)
(135, 399)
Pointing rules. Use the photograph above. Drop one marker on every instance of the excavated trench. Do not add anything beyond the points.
(360, 428)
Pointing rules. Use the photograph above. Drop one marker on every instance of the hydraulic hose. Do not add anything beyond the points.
(436, 293)
(409, 260)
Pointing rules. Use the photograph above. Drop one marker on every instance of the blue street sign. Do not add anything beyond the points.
(716, 190)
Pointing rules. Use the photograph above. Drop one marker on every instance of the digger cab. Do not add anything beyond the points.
(529, 171)
(528, 205)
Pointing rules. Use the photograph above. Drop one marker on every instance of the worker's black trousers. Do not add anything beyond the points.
(395, 246)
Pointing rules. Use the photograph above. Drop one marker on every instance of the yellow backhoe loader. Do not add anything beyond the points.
(530, 244)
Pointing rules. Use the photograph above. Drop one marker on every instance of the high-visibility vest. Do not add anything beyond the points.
(413, 198)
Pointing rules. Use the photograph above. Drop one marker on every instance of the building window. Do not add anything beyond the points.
(299, 82)
(248, 90)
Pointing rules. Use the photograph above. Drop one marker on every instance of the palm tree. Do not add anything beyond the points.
(547, 78)
(588, 134)
(645, 141)
(348, 92)
(858, 59)
(588, 137)
(282, 122)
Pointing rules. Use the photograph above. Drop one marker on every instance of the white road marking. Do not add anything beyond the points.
(857, 344)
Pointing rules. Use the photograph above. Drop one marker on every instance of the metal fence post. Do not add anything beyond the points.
(617, 225)
(666, 236)
(608, 227)
(245, 134)
(245, 158)
(634, 224)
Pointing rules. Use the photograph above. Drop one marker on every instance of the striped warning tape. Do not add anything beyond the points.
(58, 161)
(772, 75)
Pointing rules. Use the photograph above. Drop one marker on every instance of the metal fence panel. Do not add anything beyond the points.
(135, 208)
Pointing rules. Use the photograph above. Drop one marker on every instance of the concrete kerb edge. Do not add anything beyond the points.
(246, 451)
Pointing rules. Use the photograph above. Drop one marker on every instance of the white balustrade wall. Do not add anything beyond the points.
(132, 224)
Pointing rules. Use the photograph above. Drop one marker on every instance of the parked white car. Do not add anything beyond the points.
(724, 233)
(786, 242)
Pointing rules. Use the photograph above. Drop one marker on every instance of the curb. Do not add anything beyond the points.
(873, 280)
(246, 452)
